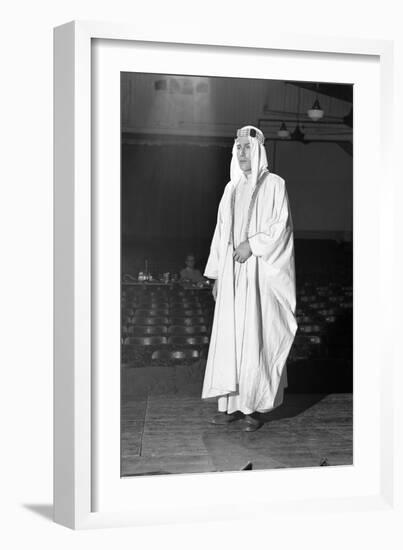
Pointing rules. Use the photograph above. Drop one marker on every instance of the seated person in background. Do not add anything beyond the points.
(189, 273)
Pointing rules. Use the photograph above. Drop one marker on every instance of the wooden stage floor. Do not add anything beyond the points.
(170, 434)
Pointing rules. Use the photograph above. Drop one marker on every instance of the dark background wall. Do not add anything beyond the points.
(171, 192)
(170, 195)
(319, 180)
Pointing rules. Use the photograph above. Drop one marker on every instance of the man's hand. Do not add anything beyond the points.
(215, 288)
(242, 252)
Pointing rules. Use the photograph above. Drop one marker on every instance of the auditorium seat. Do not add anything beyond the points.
(327, 311)
(302, 318)
(186, 312)
(144, 330)
(183, 329)
(151, 312)
(307, 298)
(188, 340)
(127, 311)
(330, 318)
(178, 320)
(309, 328)
(146, 340)
(305, 346)
(176, 355)
(317, 305)
(153, 304)
(149, 320)
(183, 301)
(346, 304)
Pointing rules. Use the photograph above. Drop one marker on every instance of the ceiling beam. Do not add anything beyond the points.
(338, 91)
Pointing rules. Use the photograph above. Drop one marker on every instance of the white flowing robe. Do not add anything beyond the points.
(254, 319)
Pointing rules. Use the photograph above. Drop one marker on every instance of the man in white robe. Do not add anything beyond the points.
(252, 261)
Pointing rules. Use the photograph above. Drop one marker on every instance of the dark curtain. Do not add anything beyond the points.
(170, 193)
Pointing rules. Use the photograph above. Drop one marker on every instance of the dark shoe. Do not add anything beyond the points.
(223, 418)
(251, 424)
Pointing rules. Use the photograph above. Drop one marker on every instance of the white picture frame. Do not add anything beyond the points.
(87, 492)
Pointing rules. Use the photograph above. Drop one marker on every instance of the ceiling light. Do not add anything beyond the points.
(283, 132)
(316, 113)
(298, 134)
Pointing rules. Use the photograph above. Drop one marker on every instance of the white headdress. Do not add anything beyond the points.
(257, 151)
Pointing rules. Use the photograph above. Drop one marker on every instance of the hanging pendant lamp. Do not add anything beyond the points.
(316, 113)
(283, 132)
(298, 134)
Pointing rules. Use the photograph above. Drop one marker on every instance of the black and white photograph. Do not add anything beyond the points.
(202, 275)
(236, 274)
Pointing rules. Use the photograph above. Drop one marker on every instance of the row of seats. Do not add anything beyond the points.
(169, 325)
(182, 340)
(159, 330)
(165, 326)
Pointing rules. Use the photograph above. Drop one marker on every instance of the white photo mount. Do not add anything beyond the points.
(88, 491)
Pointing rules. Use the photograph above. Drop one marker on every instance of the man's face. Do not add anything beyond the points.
(243, 153)
(190, 261)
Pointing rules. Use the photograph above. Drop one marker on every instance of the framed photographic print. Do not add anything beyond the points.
(175, 163)
(219, 239)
